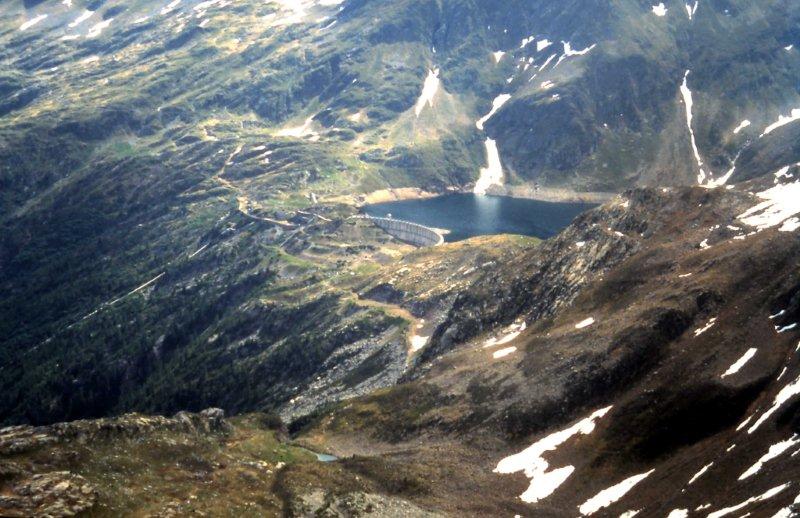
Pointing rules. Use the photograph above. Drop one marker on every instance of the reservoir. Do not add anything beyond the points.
(470, 215)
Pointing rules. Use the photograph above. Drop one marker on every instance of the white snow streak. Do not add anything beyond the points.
(198, 251)
(610, 495)
(497, 103)
(787, 512)
(774, 451)
(80, 19)
(170, 7)
(692, 9)
(729, 510)
(33, 21)
(746, 357)
(782, 121)
(785, 394)
(688, 103)
(547, 62)
(700, 473)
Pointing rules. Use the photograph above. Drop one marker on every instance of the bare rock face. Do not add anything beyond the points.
(210, 420)
(19, 439)
(54, 494)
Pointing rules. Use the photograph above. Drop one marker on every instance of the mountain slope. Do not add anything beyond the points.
(651, 344)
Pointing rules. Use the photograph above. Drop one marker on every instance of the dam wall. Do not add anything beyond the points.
(412, 233)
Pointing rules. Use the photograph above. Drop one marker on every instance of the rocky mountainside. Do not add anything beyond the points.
(178, 186)
(644, 360)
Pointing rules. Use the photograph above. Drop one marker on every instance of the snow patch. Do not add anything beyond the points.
(511, 333)
(98, 28)
(305, 130)
(790, 225)
(783, 329)
(429, 90)
(492, 174)
(781, 202)
(584, 323)
(543, 480)
(742, 125)
(504, 352)
(418, 342)
(568, 52)
(705, 328)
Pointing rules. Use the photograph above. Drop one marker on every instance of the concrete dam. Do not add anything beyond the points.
(412, 233)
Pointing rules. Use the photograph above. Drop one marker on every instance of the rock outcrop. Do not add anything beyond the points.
(25, 491)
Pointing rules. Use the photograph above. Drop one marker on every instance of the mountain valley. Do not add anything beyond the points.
(197, 317)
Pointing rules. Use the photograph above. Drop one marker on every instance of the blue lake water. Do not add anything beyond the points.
(470, 215)
(324, 457)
